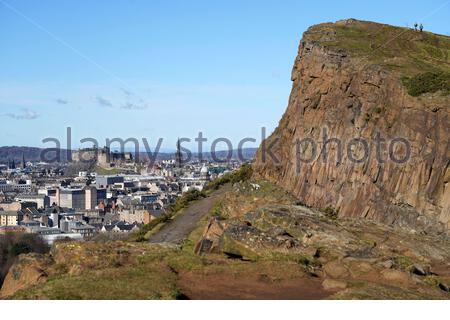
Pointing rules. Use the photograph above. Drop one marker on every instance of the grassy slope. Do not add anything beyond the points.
(102, 171)
(398, 48)
(127, 270)
(130, 270)
(421, 59)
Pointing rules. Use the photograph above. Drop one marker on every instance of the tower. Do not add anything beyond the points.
(23, 161)
(178, 158)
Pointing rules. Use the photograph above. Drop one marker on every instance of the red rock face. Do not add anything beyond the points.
(353, 98)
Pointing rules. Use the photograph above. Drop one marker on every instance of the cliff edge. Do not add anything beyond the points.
(366, 130)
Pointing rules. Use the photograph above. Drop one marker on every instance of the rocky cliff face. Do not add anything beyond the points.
(350, 83)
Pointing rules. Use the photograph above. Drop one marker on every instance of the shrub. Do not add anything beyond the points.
(428, 82)
(403, 263)
(244, 173)
(140, 235)
(187, 197)
(330, 212)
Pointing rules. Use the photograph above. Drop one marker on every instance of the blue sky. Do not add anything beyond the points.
(163, 69)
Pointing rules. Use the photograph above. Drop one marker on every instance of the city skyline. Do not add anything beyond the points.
(146, 71)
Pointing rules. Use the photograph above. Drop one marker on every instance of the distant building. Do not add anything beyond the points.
(10, 218)
(204, 174)
(121, 157)
(50, 235)
(19, 186)
(106, 181)
(17, 206)
(86, 231)
(101, 195)
(72, 198)
(120, 226)
(52, 194)
(101, 156)
(41, 200)
(140, 216)
(31, 215)
(90, 197)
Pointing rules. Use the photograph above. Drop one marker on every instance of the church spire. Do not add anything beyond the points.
(178, 154)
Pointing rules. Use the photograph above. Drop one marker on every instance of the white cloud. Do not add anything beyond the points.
(25, 114)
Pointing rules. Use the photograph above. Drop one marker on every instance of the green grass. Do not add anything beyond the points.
(184, 201)
(244, 173)
(421, 57)
(403, 263)
(103, 172)
(145, 281)
(141, 235)
(428, 82)
(91, 270)
(291, 257)
(152, 272)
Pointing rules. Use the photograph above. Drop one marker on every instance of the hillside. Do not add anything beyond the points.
(404, 50)
(358, 81)
(257, 242)
(16, 153)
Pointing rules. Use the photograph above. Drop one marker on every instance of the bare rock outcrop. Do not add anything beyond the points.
(29, 269)
(388, 157)
(348, 257)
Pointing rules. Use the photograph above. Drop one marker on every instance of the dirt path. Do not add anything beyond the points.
(228, 286)
(185, 222)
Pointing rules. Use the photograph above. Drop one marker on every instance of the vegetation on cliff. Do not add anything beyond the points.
(242, 174)
(423, 58)
(428, 82)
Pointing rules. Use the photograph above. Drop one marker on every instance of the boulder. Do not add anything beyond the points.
(395, 276)
(331, 284)
(27, 271)
(210, 241)
(336, 269)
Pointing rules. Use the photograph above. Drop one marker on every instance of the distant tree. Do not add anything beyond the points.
(415, 26)
(421, 27)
